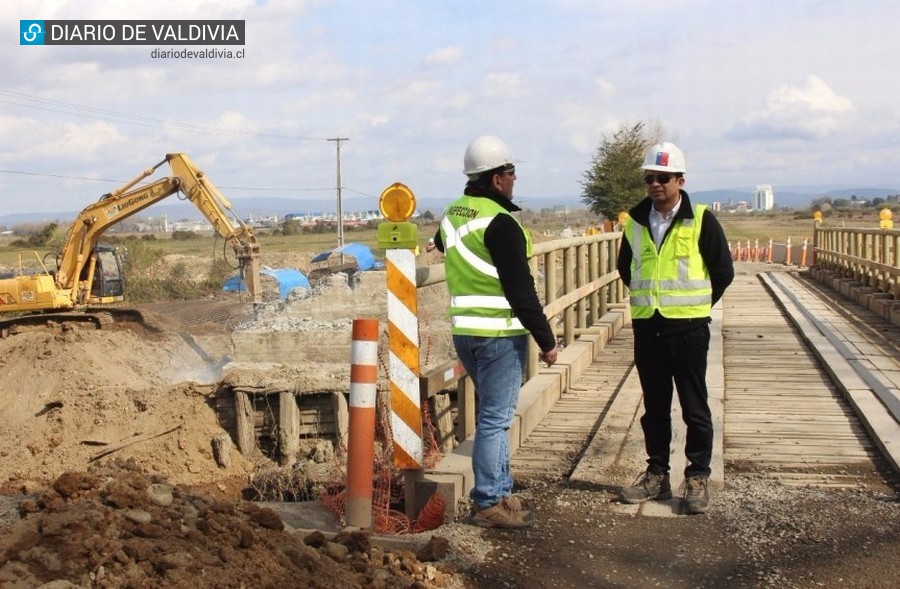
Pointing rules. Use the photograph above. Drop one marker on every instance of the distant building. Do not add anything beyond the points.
(763, 198)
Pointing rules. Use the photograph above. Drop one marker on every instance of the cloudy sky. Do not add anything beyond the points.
(782, 92)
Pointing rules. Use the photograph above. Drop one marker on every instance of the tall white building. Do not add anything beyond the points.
(763, 198)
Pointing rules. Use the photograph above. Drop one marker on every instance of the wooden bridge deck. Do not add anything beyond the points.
(793, 372)
(784, 415)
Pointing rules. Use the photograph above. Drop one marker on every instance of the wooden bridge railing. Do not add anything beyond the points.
(868, 256)
(579, 283)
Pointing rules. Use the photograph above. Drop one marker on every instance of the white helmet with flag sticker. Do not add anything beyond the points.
(664, 157)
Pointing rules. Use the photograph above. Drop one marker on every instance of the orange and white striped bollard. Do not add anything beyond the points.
(361, 434)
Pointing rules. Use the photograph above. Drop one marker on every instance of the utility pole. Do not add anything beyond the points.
(340, 185)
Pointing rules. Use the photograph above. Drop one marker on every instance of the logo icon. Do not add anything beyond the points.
(31, 32)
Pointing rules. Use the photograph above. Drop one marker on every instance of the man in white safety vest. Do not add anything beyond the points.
(675, 260)
(493, 308)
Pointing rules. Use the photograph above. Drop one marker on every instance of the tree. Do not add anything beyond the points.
(292, 227)
(615, 182)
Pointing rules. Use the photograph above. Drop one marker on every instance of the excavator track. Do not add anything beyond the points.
(96, 318)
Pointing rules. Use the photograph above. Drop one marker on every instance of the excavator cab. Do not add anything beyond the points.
(109, 275)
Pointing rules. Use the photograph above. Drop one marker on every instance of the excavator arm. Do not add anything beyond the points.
(77, 262)
(213, 205)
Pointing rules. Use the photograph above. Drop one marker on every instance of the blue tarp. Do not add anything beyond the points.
(288, 279)
(360, 252)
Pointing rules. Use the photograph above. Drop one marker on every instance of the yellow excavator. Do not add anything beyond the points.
(88, 274)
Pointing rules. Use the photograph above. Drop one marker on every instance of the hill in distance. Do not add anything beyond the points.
(795, 197)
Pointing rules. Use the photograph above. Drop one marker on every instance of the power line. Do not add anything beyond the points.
(48, 175)
(71, 108)
(114, 181)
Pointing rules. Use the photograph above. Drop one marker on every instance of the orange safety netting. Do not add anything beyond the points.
(387, 494)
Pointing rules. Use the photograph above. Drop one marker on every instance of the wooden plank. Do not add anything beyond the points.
(443, 420)
(288, 429)
(246, 436)
(783, 411)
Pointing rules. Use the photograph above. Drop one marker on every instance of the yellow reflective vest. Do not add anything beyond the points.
(478, 305)
(673, 280)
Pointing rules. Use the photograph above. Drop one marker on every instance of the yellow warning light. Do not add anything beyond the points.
(817, 216)
(886, 217)
(397, 203)
(623, 218)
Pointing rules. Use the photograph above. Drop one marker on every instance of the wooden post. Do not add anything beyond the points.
(443, 420)
(569, 285)
(465, 407)
(593, 274)
(580, 280)
(243, 417)
(341, 421)
(607, 264)
(288, 429)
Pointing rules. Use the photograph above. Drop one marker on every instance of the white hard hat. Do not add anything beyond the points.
(664, 157)
(485, 153)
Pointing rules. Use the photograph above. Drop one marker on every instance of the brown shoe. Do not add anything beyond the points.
(514, 503)
(647, 486)
(696, 495)
(503, 515)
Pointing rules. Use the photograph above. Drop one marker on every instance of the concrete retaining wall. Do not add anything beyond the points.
(881, 303)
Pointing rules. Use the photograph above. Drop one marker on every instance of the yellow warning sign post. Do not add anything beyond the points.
(398, 238)
(397, 203)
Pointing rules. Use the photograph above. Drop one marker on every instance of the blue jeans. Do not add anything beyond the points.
(495, 365)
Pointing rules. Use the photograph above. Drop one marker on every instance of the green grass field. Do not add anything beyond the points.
(775, 226)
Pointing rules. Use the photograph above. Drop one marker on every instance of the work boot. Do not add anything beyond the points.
(696, 494)
(514, 503)
(503, 515)
(647, 486)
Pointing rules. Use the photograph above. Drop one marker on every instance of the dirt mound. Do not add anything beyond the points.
(71, 396)
(116, 526)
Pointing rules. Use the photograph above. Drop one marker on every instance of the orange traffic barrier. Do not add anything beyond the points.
(803, 252)
(361, 433)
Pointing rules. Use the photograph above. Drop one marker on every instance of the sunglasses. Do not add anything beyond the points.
(661, 178)
(511, 171)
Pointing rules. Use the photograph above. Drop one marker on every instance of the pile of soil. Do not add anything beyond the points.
(108, 477)
(72, 394)
(115, 526)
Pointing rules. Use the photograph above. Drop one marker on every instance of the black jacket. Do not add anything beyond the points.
(713, 249)
(506, 243)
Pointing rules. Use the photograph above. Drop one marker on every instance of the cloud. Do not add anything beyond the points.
(505, 84)
(604, 87)
(444, 56)
(809, 110)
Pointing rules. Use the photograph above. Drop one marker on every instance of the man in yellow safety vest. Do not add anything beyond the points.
(493, 308)
(675, 260)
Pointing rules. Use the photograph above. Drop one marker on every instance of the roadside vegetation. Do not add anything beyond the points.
(184, 265)
(165, 265)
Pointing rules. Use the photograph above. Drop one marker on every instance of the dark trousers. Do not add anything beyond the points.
(678, 359)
